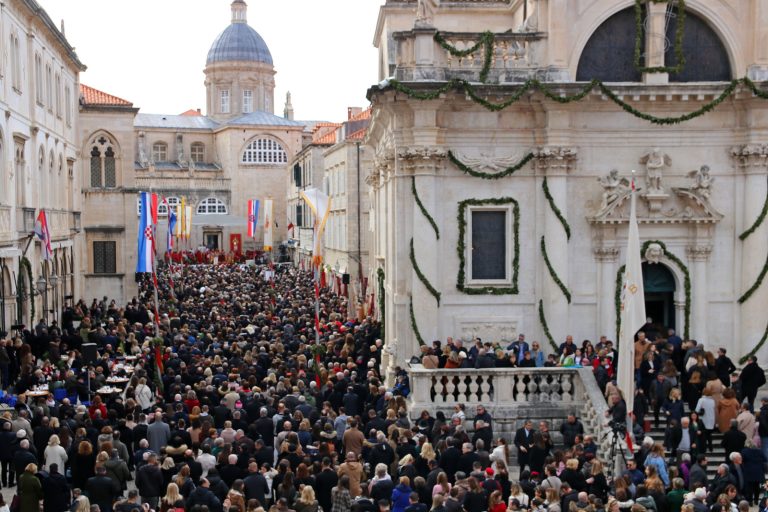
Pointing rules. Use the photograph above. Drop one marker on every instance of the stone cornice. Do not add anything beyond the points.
(750, 156)
(555, 159)
(427, 158)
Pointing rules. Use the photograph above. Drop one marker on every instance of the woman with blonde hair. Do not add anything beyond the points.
(236, 496)
(143, 395)
(82, 504)
(172, 499)
(30, 491)
(307, 502)
(54, 453)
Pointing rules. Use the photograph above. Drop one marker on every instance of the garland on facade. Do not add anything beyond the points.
(422, 208)
(679, 35)
(534, 84)
(486, 39)
(552, 272)
(543, 321)
(461, 247)
(380, 277)
(555, 209)
(26, 267)
(413, 323)
(758, 221)
(489, 175)
(686, 286)
(422, 277)
(757, 284)
(757, 347)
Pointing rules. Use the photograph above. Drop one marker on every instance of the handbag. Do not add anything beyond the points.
(15, 503)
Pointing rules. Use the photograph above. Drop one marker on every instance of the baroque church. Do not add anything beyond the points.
(215, 163)
(505, 137)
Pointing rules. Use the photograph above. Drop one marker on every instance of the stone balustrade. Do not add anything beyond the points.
(421, 58)
(5, 223)
(182, 183)
(512, 395)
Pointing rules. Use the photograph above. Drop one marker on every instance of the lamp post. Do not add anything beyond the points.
(42, 286)
(54, 280)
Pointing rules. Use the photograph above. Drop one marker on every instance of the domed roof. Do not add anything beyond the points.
(239, 42)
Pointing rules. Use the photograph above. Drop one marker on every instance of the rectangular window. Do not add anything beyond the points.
(197, 153)
(49, 86)
(224, 101)
(38, 79)
(58, 96)
(247, 102)
(104, 257)
(489, 245)
(68, 105)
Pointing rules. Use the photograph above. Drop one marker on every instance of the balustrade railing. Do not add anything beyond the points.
(182, 183)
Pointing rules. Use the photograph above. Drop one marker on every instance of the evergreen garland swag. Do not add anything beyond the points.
(555, 209)
(757, 347)
(489, 175)
(552, 272)
(686, 285)
(757, 284)
(422, 277)
(758, 222)
(461, 247)
(380, 278)
(422, 208)
(543, 322)
(640, 40)
(415, 327)
(486, 40)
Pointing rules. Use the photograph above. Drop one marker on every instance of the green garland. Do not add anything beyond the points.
(25, 267)
(461, 247)
(679, 35)
(757, 284)
(534, 84)
(543, 321)
(422, 277)
(552, 272)
(486, 40)
(380, 277)
(422, 208)
(489, 175)
(555, 209)
(413, 323)
(758, 221)
(686, 285)
(757, 347)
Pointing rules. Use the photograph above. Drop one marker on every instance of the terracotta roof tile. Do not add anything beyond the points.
(358, 135)
(191, 112)
(91, 96)
(365, 114)
(328, 138)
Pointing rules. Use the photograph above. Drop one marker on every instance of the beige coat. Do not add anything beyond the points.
(727, 410)
(354, 470)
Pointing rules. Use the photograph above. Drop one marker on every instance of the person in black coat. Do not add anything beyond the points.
(573, 476)
(524, 441)
(724, 367)
(202, 495)
(751, 379)
(449, 459)
(537, 454)
(255, 484)
(101, 489)
(23, 457)
(56, 493)
(7, 447)
(325, 481)
(733, 440)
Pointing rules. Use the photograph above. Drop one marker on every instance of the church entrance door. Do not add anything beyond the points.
(659, 285)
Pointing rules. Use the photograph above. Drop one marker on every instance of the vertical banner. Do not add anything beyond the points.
(188, 222)
(268, 224)
(253, 217)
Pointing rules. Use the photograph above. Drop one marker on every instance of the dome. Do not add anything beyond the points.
(239, 42)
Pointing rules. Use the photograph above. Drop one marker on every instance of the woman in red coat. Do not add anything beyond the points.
(97, 405)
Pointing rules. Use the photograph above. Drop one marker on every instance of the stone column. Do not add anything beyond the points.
(655, 42)
(698, 255)
(758, 70)
(606, 275)
(753, 161)
(553, 163)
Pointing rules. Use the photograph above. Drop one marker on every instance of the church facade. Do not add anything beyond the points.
(505, 139)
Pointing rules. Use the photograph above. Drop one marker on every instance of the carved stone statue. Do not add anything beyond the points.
(614, 188)
(425, 12)
(179, 148)
(654, 162)
(488, 163)
(654, 253)
(702, 182)
(143, 149)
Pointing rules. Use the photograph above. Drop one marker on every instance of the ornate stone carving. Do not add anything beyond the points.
(615, 191)
(555, 158)
(422, 153)
(655, 161)
(143, 160)
(607, 254)
(425, 13)
(654, 253)
(488, 329)
(485, 162)
(701, 182)
(699, 252)
(750, 155)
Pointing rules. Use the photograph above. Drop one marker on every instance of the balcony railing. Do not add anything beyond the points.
(183, 183)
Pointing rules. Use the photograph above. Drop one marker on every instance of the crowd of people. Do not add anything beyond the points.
(222, 400)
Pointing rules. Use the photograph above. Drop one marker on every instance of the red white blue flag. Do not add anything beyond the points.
(253, 217)
(42, 232)
(146, 235)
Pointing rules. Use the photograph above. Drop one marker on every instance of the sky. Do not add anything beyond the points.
(152, 52)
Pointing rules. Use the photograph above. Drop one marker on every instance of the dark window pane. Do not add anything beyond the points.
(489, 244)
(95, 168)
(705, 57)
(104, 257)
(610, 52)
(110, 175)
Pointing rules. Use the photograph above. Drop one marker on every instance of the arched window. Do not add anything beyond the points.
(159, 152)
(162, 209)
(110, 174)
(610, 52)
(95, 167)
(211, 206)
(103, 161)
(197, 152)
(264, 151)
(705, 57)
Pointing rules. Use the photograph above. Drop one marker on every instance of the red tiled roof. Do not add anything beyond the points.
(328, 138)
(93, 96)
(325, 133)
(191, 113)
(358, 135)
(365, 114)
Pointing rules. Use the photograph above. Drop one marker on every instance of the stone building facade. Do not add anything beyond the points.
(39, 74)
(494, 219)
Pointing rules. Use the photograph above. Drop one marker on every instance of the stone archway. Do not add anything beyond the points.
(660, 286)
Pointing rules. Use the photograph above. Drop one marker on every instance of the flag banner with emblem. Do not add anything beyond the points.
(44, 234)
(188, 222)
(145, 234)
(171, 226)
(320, 204)
(253, 217)
(632, 308)
(269, 223)
(179, 232)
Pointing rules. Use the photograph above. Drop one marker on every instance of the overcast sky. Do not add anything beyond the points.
(152, 52)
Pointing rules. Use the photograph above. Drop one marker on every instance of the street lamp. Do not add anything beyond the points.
(42, 286)
(54, 280)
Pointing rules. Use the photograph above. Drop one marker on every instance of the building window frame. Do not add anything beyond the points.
(197, 152)
(224, 101)
(264, 151)
(160, 151)
(247, 101)
(104, 256)
(211, 206)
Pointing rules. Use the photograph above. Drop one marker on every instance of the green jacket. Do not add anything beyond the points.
(675, 500)
(30, 493)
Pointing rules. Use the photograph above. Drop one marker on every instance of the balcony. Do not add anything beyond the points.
(421, 58)
(512, 395)
(183, 183)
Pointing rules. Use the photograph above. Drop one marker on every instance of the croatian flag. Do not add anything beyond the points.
(171, 226)
(145, 235)
(42, 232)
(253, 217)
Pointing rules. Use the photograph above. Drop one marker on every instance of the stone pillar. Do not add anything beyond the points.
(554, 21)
(753, 161)
(655, 42)
(553, 163)
(606, 275)
(758, 70)
(698, 255)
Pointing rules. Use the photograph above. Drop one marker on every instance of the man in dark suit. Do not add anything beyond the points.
(733, 440)
(467, 459)
(449, 459)
(56, 493)
(524, 441)
(698, 473)
(255, 485)
(325, 481)
(101, 489)
(751, 379)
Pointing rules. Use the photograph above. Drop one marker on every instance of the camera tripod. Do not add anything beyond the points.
(617, 434)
